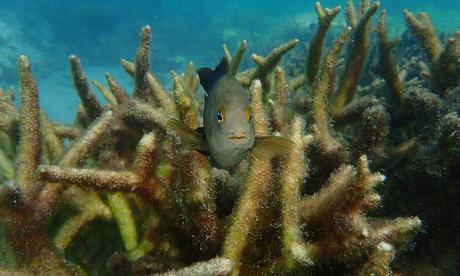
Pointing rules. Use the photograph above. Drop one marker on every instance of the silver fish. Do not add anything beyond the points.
(228, 134)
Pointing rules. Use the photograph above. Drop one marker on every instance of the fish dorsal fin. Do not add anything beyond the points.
(209, 77)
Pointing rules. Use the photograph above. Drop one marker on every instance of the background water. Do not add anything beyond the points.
(102, 32)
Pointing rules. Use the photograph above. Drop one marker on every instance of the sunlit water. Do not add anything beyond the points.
(102, 32)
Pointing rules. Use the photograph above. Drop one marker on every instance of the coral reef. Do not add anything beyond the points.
(118, 192)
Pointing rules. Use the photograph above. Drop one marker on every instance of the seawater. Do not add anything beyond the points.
(102, 32)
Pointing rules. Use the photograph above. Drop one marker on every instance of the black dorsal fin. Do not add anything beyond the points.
(209, 77)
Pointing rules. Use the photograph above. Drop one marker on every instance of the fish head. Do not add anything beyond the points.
(229, 125)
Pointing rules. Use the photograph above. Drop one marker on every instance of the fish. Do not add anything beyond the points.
(228, 134)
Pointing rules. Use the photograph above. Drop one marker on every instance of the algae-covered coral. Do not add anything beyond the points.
(117, 192)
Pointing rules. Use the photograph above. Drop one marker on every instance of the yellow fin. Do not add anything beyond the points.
(265, 147)
(189, 137)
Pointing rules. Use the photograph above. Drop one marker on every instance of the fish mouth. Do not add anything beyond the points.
(237, 137)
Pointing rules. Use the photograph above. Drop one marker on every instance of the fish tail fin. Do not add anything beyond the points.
(265, 147)
(189, 137)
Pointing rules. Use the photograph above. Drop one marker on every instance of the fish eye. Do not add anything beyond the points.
(220, 116)
(248, 112)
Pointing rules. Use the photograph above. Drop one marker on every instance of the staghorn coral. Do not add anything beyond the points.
(427, 119)
(357, 55)
(444, 61)
(118, 181)
(388, 71)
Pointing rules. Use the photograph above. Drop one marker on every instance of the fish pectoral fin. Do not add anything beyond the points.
(189, 137)
(266, 147)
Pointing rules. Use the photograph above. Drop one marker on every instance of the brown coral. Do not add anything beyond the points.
(292, 213)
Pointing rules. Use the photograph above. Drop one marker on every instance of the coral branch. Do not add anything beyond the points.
(446, 71)
(50, 192)
(122, 213)
(260, 118)
(355, 61)
(297, 82)
(379, 261)
(6, 166)
(235, 61)
(28, 157)
(51, 145)
(422, 28)
(33, 251)
(191, 81)
(388, 70)
(406, 148)
(145, 163)
(294, 173)
(325, 18)
(71, 228)
(318, 206)
(90, 206)
(227, 53)
(351, 14)
(375, 130)
(257, 187)
(245, 217)
(339, 207)
(108, 180)
(143, 114)
(160, 95)
(184, 102)
(265, 64)
(129, 67)
(8, 144)
(194, 168)
(105, 92)
(398, 231)
(279, 103)
(117, 91)
(143, 66)
(66, 131)
(353, 111)
(8, 120)
(88, 141)
(347, 188)
(322, 88)
(217, 266)
(87, 97)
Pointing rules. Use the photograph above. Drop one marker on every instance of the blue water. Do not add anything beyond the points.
(102, 32)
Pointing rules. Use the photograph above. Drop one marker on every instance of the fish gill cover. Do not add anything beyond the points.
(370, 98)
